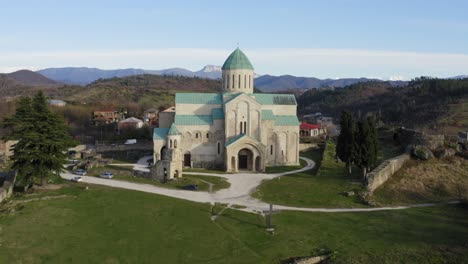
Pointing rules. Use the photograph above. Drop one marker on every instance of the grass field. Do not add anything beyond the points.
(106, 225)
(322, 188)
(126, 174)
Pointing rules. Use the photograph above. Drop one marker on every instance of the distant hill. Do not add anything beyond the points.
(26, 77)
(83, 75)
(268, 83)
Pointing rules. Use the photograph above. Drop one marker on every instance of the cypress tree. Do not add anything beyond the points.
(345, 147)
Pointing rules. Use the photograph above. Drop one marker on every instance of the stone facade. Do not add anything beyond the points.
(233, 130)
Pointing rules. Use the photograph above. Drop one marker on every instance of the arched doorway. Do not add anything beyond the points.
(163, 153)
(187, 159)
(257, 164)
(245, 159)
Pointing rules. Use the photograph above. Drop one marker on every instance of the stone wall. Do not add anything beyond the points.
(306, 146)
(140, 145)
(384, 171)
(7, 181)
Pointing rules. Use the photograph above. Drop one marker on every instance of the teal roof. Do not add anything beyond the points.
(173, 130)
(268, 115)
(283, 120)
(217, 113)
(198, 98)
(275, 99)
(234, 139)
(160, 133)
(193, 120)
(237, 60)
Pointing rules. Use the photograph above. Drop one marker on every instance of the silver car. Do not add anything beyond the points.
(107, 175)
(80, 172)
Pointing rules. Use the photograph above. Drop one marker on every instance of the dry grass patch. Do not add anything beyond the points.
(436, 180)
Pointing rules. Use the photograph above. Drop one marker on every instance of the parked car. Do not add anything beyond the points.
(130, 142)
(80, 172)
(191, 187)
(77, 179)
(107, 175)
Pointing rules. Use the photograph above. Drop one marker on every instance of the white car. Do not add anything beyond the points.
(77, 179)
(107, 175)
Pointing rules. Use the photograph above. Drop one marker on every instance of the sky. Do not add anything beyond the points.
(325, 39)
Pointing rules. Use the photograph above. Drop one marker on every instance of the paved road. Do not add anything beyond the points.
(239, 193)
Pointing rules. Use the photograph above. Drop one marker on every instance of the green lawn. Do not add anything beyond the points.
(111, 225)
(126, 174)
(322, 188)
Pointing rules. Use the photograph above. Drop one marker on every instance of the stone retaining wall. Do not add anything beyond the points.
(306, 146)
(140, 145)
(384, 171)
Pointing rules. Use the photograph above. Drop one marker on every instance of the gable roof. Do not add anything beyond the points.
(193, 120)
(160, 133)
(285, 120)
(305, 125)
(275, 99)
(131, 120)
(198, 98)
(173, 131)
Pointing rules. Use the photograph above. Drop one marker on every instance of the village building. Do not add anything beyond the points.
(106, 116)
(131, 123)
(150, 116)
(235, 129)
(310, 130)
(59, 103)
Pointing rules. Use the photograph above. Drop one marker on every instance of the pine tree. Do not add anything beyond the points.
(374, 143)
(43, 140)
(345, 147)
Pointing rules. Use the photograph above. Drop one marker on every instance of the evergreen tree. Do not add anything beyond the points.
(366, 146)
(345, 147)
(43, 140)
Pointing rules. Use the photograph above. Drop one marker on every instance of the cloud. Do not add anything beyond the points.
(321, 63)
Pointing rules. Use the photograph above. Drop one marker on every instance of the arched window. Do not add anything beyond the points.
(207, 135)
(245, 81)
(196, 135)
(227, 80)
(175, 143)
(271, 149)
(239, 82)
(282, 152)
(245, 127)
(241, 128)
(233, 81)
(219, 148)
(250, 81)
(170, 143)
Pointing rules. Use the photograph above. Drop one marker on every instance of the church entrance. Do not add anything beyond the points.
(187, 160)
(245, 159)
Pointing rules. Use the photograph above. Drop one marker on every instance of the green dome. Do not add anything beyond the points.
(237, 60)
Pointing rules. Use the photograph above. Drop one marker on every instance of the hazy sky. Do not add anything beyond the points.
(325, 39)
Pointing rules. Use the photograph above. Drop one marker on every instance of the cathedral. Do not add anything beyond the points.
(234, 130)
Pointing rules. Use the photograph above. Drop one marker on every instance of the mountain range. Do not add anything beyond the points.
(266, 83)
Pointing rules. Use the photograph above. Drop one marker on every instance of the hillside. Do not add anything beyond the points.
(30, 78)
(268, 83)
(144, 90)
(434, 104)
